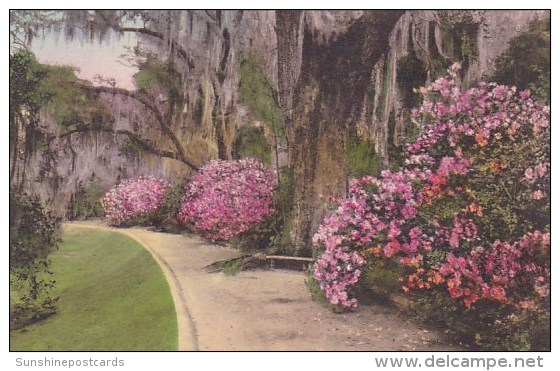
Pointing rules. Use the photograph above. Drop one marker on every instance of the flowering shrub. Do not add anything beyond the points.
(225, 198)
(133, 199)
(336, 271)
(468, 210)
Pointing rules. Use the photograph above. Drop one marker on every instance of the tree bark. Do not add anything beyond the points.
(320, 102)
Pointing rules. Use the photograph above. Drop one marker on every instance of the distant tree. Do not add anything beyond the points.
(526, 63)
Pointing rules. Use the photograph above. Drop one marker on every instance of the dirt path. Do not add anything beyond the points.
(265, 310)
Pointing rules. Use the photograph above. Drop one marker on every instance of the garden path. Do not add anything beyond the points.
(266, 310)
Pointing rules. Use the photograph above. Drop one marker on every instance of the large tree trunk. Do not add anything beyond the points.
(328, 75)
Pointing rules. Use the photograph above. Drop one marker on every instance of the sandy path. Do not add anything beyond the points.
(265, 310)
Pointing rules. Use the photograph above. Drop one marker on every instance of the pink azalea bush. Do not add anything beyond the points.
(467, 211)
(133, 199)
(225, 198)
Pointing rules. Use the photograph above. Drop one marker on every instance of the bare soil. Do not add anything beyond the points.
(267, 309)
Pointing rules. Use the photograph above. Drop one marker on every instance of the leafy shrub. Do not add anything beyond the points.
(381, 279)
(272, 232)
(226, 198)
(34, 232)
(318, 294)
(135, 201)
(488, 325)
(165, 219)
(481, 165)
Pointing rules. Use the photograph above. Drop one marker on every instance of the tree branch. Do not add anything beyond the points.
(142, 143)
(145, 31)
(159, 117)
(151, 107)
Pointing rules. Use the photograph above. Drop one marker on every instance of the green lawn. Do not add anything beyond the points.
(113, 296)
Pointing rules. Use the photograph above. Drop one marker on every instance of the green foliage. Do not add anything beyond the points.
(251, 142)
(85, 203)
(113, 296)
(381, 280)
(486, 325)
(256, 92)
(526, 63)
(72, 106)
(361, 158)
(34, 232)
(166, 217)
(497, 184)
(26, 75)
(154, 75)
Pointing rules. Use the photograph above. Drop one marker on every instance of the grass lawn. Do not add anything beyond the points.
(113, 296)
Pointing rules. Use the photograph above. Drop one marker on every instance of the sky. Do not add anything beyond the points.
(91, 58)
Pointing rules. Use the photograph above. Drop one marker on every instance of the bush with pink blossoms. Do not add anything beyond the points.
(134, 200)
(474, 185)
(337, 271)
(226, 198)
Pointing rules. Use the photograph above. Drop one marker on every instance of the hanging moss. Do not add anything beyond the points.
(384, 89)
(131, 150)
(85, 202)
(437, 63)
(411, 73)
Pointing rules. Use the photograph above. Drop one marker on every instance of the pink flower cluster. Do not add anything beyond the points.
(134, 198)
(426, 215)
(337, 270)
(484, 113)
(225, 198)
(506, 272)
(375, 211)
